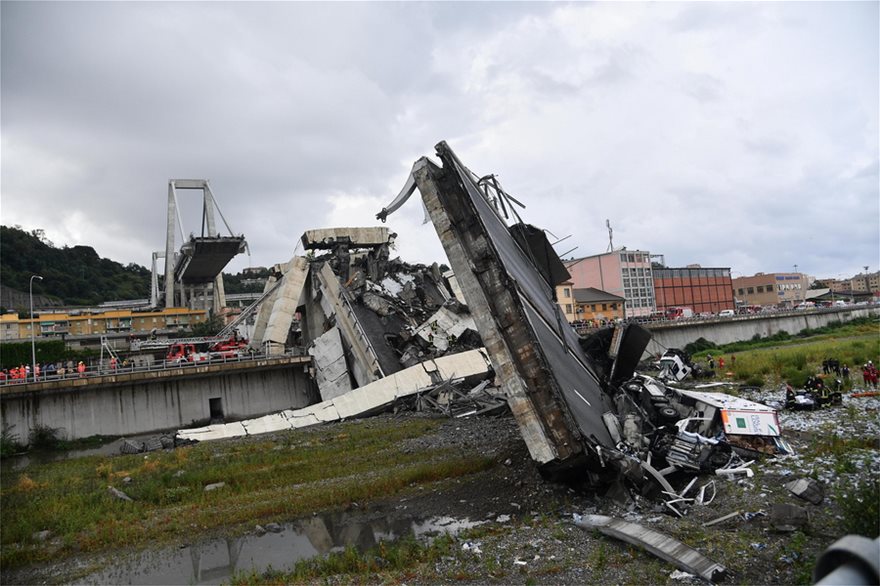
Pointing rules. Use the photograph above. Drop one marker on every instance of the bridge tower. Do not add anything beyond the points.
(197, 267)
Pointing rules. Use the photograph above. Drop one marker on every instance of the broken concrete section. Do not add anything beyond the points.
(555, 396)
(807, 489)
(366, 400)
(786, 518)
(662, 546)
(328, 360)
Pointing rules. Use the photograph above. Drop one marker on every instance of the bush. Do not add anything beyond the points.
(754, 381)
(9, 444)
(43, 437)
(794, 376)
(699, 345)
(861, 508)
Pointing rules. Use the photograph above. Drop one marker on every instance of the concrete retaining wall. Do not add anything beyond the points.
(727, 330)
(144, 406)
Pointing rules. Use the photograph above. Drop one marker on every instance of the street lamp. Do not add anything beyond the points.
(33, 346)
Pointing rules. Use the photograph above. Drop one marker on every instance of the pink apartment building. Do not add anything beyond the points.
(625, 273)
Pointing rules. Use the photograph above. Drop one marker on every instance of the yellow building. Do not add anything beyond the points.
(96, 322)
(565, 299)
(595, 305)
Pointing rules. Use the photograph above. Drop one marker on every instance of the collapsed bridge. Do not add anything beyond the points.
(380, 331)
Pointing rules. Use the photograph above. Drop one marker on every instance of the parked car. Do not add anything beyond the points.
(726, 313)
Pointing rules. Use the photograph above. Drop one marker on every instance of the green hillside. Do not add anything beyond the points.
(76, 275)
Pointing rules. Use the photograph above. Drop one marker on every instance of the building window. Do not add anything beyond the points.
(613, 306)
(604, 307)
(751, 290)
(566, 292)
(568, 308)
(593, 307)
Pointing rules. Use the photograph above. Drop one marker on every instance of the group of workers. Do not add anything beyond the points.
(22, 373)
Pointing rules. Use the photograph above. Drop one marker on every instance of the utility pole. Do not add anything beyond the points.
(867, 284)
(799, 284)
(33, 327)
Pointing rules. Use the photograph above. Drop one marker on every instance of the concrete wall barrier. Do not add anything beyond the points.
(124, 405)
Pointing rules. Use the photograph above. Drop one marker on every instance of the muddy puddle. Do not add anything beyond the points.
(111, 447)
(216, 561)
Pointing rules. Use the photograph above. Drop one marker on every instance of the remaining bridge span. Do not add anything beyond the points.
(675, 334)
(130, 403)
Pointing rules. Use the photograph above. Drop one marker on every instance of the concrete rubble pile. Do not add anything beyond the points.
(379, 330)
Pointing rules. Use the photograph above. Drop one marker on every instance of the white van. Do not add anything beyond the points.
(726, 313)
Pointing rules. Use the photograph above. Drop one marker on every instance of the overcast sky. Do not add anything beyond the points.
(742, 135)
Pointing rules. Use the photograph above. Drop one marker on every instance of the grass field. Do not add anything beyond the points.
(794, 359)
(323, 469)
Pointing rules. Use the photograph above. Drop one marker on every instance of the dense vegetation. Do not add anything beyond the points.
(76, 275)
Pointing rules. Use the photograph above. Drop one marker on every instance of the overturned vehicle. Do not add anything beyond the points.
(578, 402)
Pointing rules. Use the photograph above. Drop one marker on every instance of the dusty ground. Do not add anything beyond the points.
(528, 535)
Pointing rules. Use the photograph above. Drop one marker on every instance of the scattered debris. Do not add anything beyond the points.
(41, 535)
(662, 546)
(214, 486)
(153, 444)
(727, 517)
(472, 547)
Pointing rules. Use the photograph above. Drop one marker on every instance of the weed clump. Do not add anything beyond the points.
(860, 506)
(9, 444)
(43, 437)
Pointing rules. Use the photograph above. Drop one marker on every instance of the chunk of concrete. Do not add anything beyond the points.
(807, 489)
(666, 548)
(118, 494)
(331, 371)
(785, 517)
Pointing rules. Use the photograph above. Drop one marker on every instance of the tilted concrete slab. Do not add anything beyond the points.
(328, 359)
(357, 403)
(335, 302)
(262, 320)
(552, 390)
(284, 306)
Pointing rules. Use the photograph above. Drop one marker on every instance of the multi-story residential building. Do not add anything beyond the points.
(624, 273)
(865, 282)
(704, 290)
(93, 322)
(783, 289)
